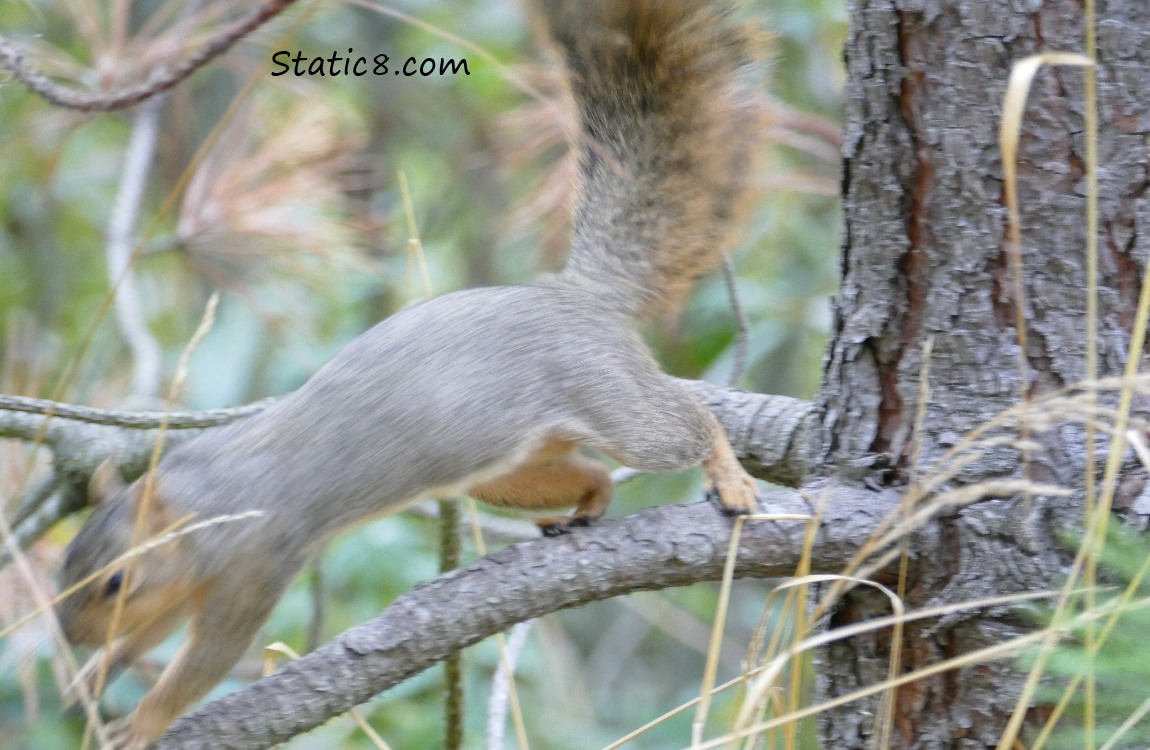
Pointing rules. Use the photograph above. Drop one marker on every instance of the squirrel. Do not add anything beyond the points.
(489, 392)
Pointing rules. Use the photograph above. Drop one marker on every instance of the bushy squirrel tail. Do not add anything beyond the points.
(666, 137)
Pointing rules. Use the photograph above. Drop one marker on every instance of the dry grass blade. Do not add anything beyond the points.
(1093, 646)
(1068, 404)
(712, 665)
(702, 702)
(415, 254)
(1018, 88)
(1090, 96)
(768, 679)
(707, 689)
(1098, 518)
(44, 604)
(928, 497)
(143, 509)
(802, 622)
(1131, 721)
(680, 709)
(1021, 76)
(1002, 650)
(846, 632)
(883, 545)
(1138, 443)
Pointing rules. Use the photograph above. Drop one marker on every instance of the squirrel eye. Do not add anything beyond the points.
(114, 583)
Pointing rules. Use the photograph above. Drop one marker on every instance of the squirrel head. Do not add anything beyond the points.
(120, 555)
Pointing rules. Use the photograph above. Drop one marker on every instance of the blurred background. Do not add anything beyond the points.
(283, 193)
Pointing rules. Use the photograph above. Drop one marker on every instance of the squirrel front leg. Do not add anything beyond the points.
(219, 633)
(124, 652)
(726, 477)
(663, 428)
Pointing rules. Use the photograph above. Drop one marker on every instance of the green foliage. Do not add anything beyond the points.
(1121, 673)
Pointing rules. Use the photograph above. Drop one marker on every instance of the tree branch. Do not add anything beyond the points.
(62, 96)
(63, 502)
(773, 436)
(770, 434)
(14, 424)
(654, 549)
(130, 315)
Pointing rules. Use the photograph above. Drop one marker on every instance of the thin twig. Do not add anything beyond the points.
(121, 248)
(121, 228)
(316, 590)
(742, 337)
(453, 701)
(504, 529)
(500, 699)
(132, 420)
(62, 502)
(34, 497)
(62, 96)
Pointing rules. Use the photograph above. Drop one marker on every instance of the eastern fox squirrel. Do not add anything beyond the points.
(488, 392)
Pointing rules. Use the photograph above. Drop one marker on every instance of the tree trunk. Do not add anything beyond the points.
(924, 258)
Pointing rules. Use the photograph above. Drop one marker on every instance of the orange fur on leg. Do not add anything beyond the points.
(553, 477)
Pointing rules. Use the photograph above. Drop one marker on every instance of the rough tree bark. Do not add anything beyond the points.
(925, 256)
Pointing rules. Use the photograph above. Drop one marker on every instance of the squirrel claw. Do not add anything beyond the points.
(560, 525)
(734, 512)
(122, 737)
(551, 528)
(730, 511)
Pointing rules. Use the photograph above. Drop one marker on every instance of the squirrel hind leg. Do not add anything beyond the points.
(554, 477)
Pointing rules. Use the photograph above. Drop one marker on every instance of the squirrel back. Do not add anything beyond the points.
(667, 134)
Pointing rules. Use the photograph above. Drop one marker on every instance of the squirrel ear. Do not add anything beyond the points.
(159, 516)
(105, 482)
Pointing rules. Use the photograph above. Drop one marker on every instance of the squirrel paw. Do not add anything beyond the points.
(560, 525)
(122, 736)
(553, 526)
(735, 493)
